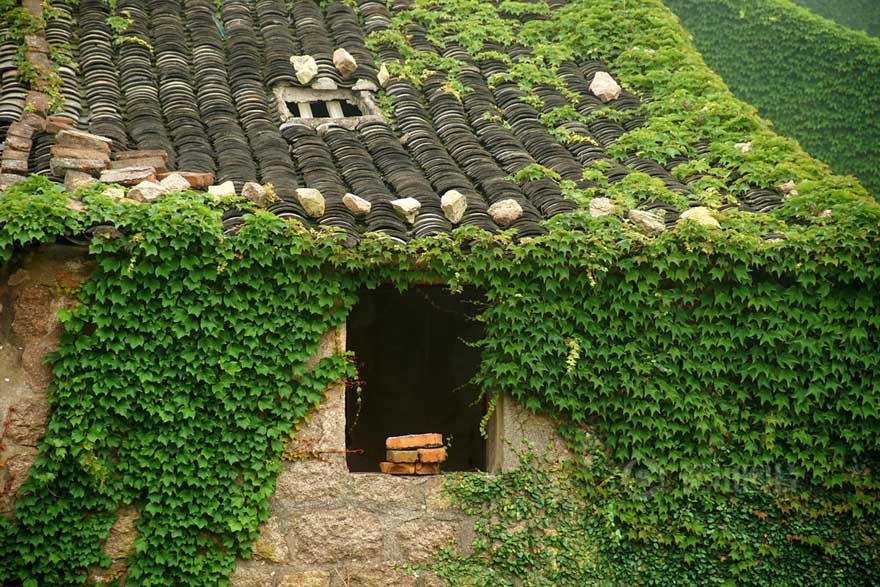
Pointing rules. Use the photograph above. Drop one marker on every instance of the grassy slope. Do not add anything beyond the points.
(819, 82)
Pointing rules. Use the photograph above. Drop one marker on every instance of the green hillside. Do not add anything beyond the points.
(817, 81)
(861, 15)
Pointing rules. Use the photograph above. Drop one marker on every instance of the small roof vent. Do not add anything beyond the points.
(316, 107)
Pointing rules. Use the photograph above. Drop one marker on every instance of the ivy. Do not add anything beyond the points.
(18, 22)
(33, 211)
(860, 15)
(816, 80)
(529, 531)
(697, 357)
(176, 380)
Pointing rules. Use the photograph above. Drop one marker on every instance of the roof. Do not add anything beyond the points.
(202, 84)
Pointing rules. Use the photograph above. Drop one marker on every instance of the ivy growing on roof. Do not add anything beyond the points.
(645, 47)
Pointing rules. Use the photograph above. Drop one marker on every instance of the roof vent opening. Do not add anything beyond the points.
(349, 109)
(316, 107)
(319, 109)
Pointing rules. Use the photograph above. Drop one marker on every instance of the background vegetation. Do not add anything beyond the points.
(818, 82)
(859, 15)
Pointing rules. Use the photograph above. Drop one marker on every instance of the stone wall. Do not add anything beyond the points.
(513, 430)
(332, 528)
(31, 293)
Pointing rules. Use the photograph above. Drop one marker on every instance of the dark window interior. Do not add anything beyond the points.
(349, 109)
(414, 365)
(319, 109)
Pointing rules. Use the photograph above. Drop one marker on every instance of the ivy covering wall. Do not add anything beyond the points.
(859, 15)
(816, 81)
(729, 376)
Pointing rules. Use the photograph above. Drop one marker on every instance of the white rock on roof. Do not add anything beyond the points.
(225, 189)
(383, 75)
(357, 205)
(174, 182)
(255, 193)
(311, 200)
(407, 208)
(602, 207)
(114, 193)
(344, 63)
(146, 191)
(305, 67)
(364, 85)
(647, 222)
(505, 212)
(701, 215)
(454, 204)
(788, 188)
(604, 87)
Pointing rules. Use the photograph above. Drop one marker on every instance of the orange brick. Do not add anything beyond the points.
(432, 455)
(427, 468)
(402, 456)
(397, 468)
(414, 441)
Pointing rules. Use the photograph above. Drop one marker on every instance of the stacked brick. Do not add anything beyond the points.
(75, 150)
(414, 454)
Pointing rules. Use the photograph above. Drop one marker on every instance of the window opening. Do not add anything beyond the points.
(414, 367)
(319, 109)
(342, 106)
(305, 111)
(349, 109)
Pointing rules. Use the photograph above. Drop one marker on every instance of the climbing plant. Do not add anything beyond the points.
(176, 380)
(859, 15)
(814, 79)
(17, 23)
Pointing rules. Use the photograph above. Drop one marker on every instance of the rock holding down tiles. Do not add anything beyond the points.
(604, 87)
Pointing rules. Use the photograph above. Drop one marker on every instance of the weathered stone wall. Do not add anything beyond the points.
(332, 528)
(31, 293)
(513, 430)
